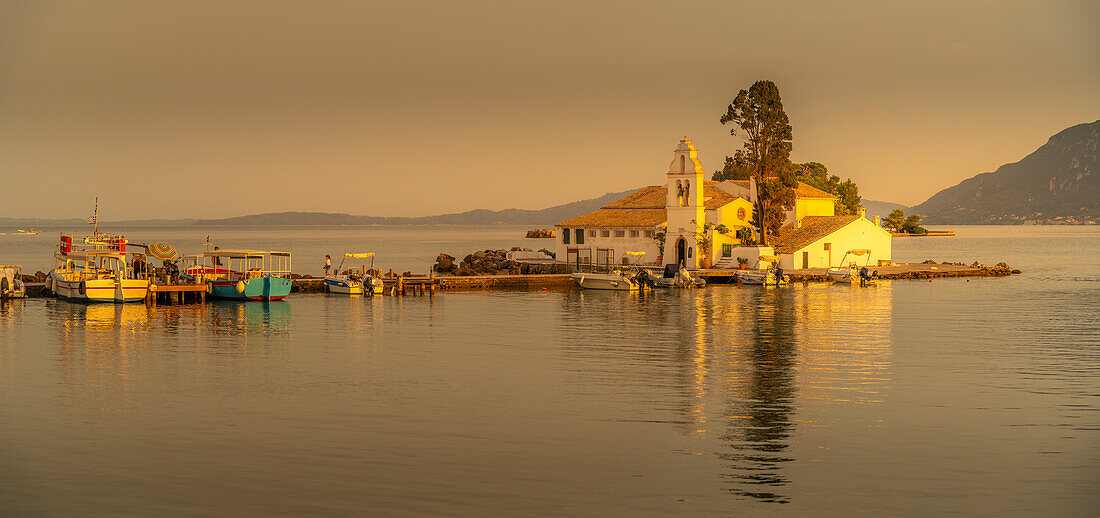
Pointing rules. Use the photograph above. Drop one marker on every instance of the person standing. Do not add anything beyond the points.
(328, 264)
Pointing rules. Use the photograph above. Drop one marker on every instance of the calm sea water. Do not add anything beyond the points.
(910, 398)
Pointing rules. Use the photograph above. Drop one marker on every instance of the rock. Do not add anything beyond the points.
(444, 263)
(1016, 272)
(516, 249)
(407, 274)
(930, 261)
(541, 233)
(465, 271)
(547, 252)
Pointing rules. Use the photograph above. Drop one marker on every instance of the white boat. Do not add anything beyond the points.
(11, 282)
(614, 281)
(96, 276)
(360, 283)
(842, 274)
(767, 277)
(850, 273)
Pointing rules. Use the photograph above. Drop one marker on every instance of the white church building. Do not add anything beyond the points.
(676, 223)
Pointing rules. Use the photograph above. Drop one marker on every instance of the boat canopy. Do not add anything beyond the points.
(635, 253)
(359, 256)
(861, 251)
(242, 253)
(769, 258)
(86, 254)
(11, 266)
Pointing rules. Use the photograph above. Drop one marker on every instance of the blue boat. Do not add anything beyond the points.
(246, 274)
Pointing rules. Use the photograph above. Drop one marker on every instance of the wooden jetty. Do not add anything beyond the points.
(176, 293)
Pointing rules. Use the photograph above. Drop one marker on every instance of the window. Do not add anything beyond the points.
(605, 233)
(580, 236)
(565, 236)
(727, 250)
(633, 233)
(828, 246)
(649, 233)
(620, 233)
(689, 252)
(591, 233)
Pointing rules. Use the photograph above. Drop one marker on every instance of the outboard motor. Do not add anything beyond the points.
(864, 276)
(671, 270)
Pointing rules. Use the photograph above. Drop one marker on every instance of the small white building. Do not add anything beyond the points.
(824, 241)
(681, 222)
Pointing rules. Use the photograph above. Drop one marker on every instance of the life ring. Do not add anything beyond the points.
(152, 287)
(240, 286)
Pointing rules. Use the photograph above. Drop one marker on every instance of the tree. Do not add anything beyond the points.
(758, 113)
(846, 192)
(895, 220)
(736, 168)
(847, 198)
(912, 225)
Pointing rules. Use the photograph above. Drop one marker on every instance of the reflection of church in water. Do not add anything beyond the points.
(749, 374)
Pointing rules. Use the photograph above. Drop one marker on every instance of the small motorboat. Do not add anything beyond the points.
(96, 276)
(771, 276)
(678, 276)
(29, 232)
(616, 280)
(850, 274)
(352, 283)
(11, 282)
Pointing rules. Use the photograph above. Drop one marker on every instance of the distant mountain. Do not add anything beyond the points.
(543, 217)
(881, 208)
(1059, 182)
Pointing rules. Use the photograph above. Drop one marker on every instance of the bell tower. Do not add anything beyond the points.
(684, 205)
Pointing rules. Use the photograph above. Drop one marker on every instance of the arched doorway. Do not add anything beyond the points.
(681, 252)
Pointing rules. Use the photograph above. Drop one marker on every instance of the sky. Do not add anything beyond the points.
(217, 109)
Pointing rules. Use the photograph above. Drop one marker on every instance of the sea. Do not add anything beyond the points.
(950, 397)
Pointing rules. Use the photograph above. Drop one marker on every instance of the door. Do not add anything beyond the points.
(805, 260)
(680, 252)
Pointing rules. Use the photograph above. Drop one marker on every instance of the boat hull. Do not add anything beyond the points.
(595, 281)
(842, 275)
(102, 290)
(260, 288)
(344, 286)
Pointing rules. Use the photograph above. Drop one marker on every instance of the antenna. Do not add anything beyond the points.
(95, 218)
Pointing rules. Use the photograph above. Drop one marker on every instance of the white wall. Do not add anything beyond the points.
(620, 245)
(858, 234)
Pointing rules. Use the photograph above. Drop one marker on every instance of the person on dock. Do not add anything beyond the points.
(328, 264)
(217, 260)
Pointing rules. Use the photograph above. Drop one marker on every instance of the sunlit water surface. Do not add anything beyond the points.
(912, 398)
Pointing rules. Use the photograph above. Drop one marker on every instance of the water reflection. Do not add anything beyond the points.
(760, 413)
(740, 370)
(250, 318)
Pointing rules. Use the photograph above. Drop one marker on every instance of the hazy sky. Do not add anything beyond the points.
(211, 109)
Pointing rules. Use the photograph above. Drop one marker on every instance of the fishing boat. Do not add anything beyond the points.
(616, 280)
(246, 274)
(353, 283)
(11, 282)
(29, 232)
(95, 276)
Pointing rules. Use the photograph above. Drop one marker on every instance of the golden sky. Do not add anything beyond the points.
(213, 109)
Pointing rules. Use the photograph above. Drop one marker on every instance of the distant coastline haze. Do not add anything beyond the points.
(211, 110)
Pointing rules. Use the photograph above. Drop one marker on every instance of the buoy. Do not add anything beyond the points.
(240, 286)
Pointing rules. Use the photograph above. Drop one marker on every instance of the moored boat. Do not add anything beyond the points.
(96, 276)
(616, 280)
(361, 283)
(11, 282)
(246, 274)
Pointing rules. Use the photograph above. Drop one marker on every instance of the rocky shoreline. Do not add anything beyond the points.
(500, 262)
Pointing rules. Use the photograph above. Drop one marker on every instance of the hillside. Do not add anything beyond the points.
(538, 217)
(881, 208)
(1059, 182)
